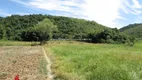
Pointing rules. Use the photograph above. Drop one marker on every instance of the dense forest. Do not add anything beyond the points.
(37, 27)
(67, 27)
(134, 30)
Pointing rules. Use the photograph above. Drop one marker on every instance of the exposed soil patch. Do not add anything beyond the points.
(25, 61)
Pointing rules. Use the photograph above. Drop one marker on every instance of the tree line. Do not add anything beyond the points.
(38, 27)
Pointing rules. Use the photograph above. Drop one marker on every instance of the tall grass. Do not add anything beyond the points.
(97, 61)
(42, 66)
(17, 43)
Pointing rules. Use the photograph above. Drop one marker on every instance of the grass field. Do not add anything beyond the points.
(27, 61)
(71, 61)
(17, 43)
(82, 61)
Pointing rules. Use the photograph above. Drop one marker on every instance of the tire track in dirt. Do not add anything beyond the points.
(49, 63)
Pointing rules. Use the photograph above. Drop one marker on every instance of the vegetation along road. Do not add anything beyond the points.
(50, 75)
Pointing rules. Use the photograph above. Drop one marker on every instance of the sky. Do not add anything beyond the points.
(111, 13)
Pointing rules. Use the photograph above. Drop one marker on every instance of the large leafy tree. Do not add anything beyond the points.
(43, 30)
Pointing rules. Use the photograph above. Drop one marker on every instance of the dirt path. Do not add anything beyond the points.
(50, 75)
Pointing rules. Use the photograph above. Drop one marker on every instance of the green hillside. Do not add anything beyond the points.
(68, 28)
(75, 28)
(38, 27)
(134, 30)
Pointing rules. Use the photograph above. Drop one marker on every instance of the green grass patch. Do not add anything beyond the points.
(97, 61)
(17, 43)
(42, 66)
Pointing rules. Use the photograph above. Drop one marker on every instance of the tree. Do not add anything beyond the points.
(43, 30)
(2, 32)
(111, 36)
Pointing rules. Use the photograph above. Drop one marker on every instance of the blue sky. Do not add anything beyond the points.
(112, 13)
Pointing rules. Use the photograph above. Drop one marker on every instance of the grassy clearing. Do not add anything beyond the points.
(81, 61)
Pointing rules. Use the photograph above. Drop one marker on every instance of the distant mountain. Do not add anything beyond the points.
(134, 30)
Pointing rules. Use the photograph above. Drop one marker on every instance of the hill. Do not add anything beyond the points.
(134, 30)
(12, 27)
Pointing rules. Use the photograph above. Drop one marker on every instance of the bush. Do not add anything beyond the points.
(111, 36)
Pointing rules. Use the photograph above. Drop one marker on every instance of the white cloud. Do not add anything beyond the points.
(136, 4)
(105, 12)
(57, 5)
(63, 7)
(133, 8)
(20, 1)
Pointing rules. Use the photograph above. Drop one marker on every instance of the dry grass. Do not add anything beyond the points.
(28, 62)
